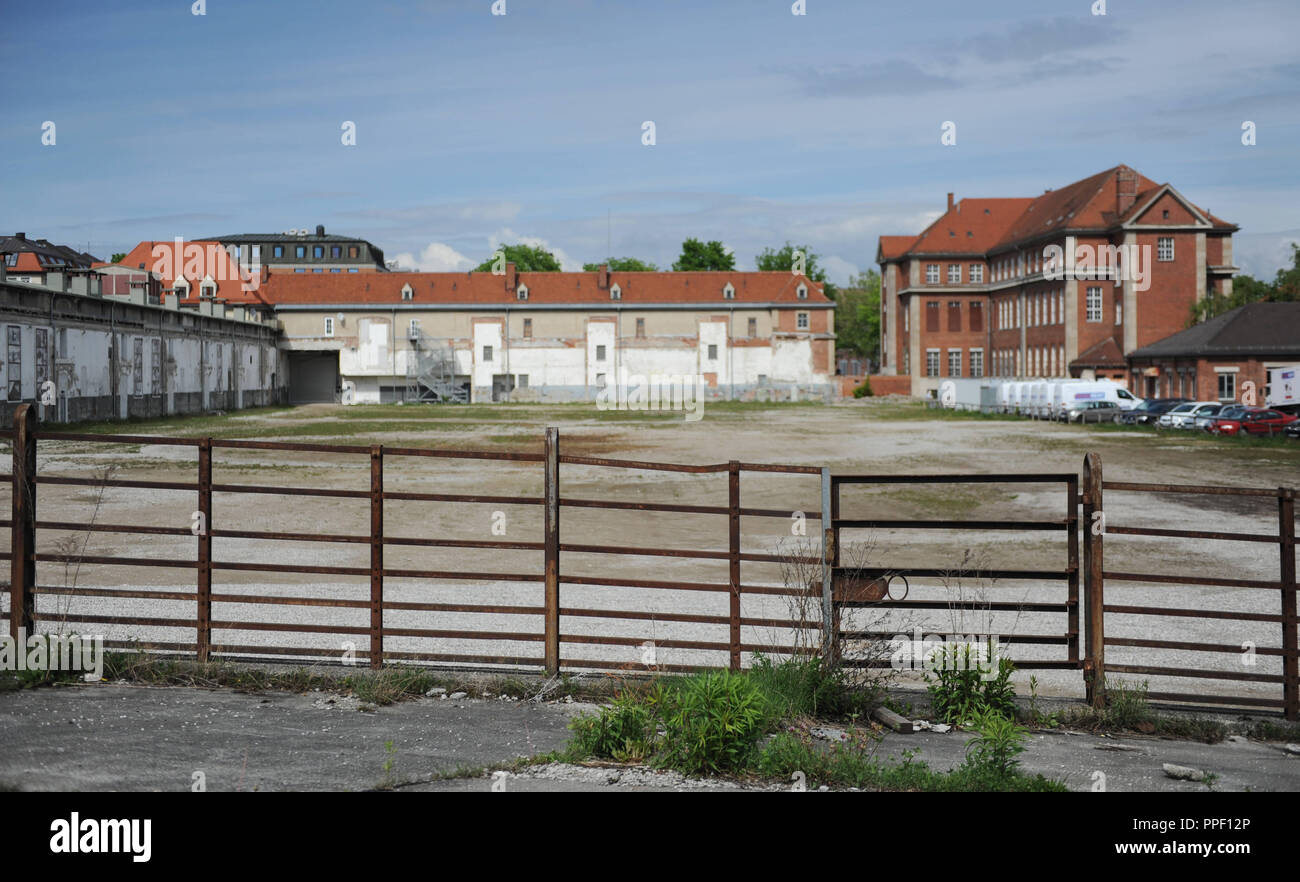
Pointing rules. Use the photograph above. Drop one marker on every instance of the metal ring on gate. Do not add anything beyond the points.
(906, 587)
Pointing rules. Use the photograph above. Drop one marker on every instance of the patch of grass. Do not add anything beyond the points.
(1128, 710)
(807, 687)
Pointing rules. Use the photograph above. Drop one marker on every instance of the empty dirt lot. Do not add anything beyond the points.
(869, 437)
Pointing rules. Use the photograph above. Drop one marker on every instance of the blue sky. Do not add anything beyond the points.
(473, 129)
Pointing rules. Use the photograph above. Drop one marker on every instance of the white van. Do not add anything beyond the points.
(1071, 393)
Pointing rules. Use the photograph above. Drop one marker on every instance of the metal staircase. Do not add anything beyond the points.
(431, 371)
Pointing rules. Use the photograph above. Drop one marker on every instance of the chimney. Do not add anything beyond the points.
(22, 236)
(950, 202)
(512, 281)
(320, 229)
(1126, 188)
(4, 272)
(602, 277)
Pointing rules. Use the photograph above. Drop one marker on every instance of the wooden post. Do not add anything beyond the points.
(551, 540)
(1290, 658)
(203, 638)
(22, 569)
(733, 524)
(376, 556)
(1094, 665)
(828, 561)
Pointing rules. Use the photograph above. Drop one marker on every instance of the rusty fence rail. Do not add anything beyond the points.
(1100, 610)
(869, 586)
(550, 577)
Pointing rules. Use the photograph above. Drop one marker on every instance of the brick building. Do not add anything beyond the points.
(1214, 360)
(1063, 284)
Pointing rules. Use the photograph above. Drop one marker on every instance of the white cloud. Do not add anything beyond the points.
(507, 236)
(435, 258)
(838, 270)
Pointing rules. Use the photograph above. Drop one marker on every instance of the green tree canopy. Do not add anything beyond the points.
(857, 316)
(1285, 287)
(704, 256)
(526, 258)
(782, 260)
(117, 256)
(622, 265)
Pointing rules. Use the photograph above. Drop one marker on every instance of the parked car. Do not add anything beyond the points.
(1092, 412)
(1148, 411)
(1184, 415)
(1265, 422)
(1208, 416)
(1228, 422)
(1292, 430)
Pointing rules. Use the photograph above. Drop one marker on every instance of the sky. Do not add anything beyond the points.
(474, 129)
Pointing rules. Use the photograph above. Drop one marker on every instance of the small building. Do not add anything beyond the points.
(1214, 360)
(302, 251)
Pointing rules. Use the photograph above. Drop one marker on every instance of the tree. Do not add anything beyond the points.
(1285, 287)
(857, 316)
(622, 265)
(701, 256)
(782, 260)
(526, 258)
(117, 256)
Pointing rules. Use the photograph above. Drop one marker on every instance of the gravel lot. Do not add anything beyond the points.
(859, 437)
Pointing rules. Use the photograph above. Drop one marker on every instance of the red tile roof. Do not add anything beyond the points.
(543, 288)
(972, 226)
(196, 261)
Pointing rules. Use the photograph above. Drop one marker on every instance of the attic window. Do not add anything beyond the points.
(986, 211)
(182, 288)
(729, 292)
(207, 290)
(615, 293)
(407, 293)
(802, 292)
(521, 293)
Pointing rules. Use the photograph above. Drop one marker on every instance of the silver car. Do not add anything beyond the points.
(1093, 412)
(1184, 415)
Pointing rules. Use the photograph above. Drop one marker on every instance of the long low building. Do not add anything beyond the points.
(551, 336)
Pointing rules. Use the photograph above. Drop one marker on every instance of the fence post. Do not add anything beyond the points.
(22, 569)
(1094, 665)
(203, 638)
(733, 510)
(551, 538)
(828, 546)
(376, 556)
(1290, 661)
(1072, 564)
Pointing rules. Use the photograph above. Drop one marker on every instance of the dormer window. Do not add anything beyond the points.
(802, 291)
(729, 292)
(208, 287)
(182, 288)
(407, 293)
(521, 293)
(615, 293)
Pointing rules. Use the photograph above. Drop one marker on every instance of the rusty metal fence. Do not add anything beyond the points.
(554, 646)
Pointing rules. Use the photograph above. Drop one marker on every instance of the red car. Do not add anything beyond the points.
(1257, 421)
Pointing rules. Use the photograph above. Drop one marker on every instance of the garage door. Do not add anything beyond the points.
(313, 377)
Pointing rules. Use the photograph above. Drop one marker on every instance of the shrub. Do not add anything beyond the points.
(802, 687)
(627, 731)
(863, 391)
(959, 691)
(712, 722)
(995, 748)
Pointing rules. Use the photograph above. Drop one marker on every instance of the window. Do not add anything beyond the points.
(521, 293)
(300, 251)
(354, 252)
(600, 353)
(801, 321)
(318, 251)
(528, 327)
(954, 273)
(487, 353)
(932, 316)
(335, 269)
(907, 362)
(1094, 304)
(1164, 248)
(182, 288)
(255, 254)
(300, 270)
(1227, 387)
(640, 327)
(407, 292)
(802, 292)
(977, 273)
(600, 379)
(1119, 311)
(954, 362)
(713, 352)
(318, 270)
(977, 316)
(207, 290)
(329, 327)
(728, 292)
(616, 293)
(413, 330)
(336, 251)
(954, 315)
(932, 273)
(352, 269)
(932, 362)
(977, 363)
(753, 327)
